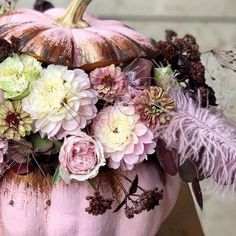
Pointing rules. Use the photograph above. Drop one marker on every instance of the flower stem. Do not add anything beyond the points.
(125, 177)
(121, 186)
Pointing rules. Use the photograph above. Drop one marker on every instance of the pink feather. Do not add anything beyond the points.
(204, 136)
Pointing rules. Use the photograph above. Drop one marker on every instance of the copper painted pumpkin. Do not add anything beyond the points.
(74, 38)
(30, 205)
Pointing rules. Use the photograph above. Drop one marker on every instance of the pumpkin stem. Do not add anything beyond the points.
(74, 15)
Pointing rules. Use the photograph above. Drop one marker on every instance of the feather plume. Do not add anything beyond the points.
(204, 136)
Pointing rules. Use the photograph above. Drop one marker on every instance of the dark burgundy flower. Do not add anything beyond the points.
(98, 205)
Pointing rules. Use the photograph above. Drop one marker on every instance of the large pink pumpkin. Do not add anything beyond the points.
(25, 210)
(29, 206)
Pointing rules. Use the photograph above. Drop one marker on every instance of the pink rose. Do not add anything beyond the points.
(80, 158)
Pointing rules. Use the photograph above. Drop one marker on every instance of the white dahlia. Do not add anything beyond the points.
(61, 100)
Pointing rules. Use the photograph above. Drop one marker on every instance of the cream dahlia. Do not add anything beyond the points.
(61, 100)
(126, 141)
(110, 82)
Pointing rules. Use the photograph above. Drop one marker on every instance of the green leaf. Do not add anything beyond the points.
(56, 177)
(40, 144)
(93, 183)
(54, 150)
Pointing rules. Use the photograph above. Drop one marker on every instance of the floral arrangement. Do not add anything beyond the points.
(74, 125)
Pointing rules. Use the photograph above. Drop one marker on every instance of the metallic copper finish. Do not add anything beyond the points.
(102, 43)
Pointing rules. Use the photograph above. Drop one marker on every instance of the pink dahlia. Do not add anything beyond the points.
(110, 82)
(126, 141)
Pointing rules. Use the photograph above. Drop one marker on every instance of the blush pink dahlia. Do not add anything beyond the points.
(126, 141)
(60, 100)
(110, 82)
(80, 158)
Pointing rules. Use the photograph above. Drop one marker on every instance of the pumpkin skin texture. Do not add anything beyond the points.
(30, 214)
(102, 43)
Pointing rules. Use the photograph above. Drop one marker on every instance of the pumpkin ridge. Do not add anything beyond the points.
(5, 30)
(29, 37)
(110, 44)
(47, 51)
(6, 27)
(144, 49)
(122, 56)
(138, 47)
(72, 48)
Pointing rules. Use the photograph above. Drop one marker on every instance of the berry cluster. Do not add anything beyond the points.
(98, 205)
(184, 57)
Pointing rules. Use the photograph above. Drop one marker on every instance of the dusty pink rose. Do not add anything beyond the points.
(126, 141)
(80, 158)
(110, 82)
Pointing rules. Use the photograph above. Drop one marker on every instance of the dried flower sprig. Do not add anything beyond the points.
(147, 200)
(98, 205)
(225, 58)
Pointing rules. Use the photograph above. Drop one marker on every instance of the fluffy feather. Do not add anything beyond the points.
(205, 136)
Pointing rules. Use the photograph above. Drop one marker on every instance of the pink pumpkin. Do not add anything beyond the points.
(28, 206)
(61, 37)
